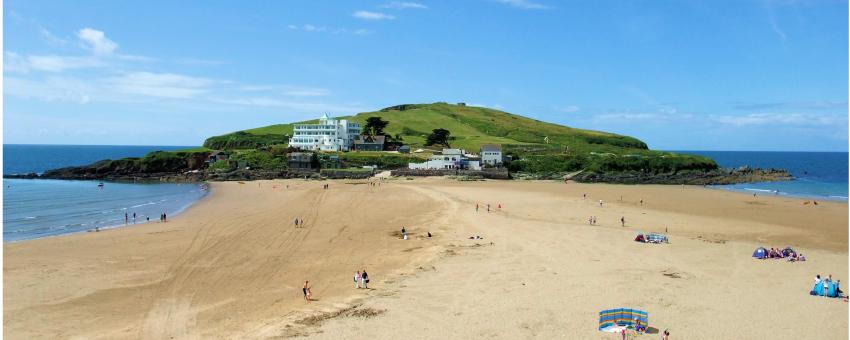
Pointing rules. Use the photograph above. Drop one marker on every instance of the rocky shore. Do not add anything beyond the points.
(711, 177)
(195, 172)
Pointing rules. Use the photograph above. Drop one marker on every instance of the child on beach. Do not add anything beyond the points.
(308, 295)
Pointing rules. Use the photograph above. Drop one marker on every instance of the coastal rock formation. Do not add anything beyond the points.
(690, 177)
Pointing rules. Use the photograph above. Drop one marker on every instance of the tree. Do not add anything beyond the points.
(375, 126)
(438, 137)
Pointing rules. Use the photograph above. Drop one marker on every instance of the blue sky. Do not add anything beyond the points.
(680, 75)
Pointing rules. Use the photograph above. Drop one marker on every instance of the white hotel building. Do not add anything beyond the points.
(328, 135)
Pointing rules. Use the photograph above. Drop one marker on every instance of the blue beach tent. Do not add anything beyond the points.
(760, 253)
(831, 290)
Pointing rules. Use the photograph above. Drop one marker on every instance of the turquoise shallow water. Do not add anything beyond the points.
(40, 208)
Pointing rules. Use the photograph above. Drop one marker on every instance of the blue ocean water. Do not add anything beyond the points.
(39, 208)
(820, 175)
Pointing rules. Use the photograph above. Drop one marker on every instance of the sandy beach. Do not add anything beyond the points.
(232, 266)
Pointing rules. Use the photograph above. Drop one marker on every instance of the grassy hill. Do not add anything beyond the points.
(470, 127)
(568, 149)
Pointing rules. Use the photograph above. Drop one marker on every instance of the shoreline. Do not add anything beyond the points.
(230, 267)
(180, 210)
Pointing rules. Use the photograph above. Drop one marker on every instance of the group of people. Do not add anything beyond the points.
(591, 220)
(826, 281)
(163, 217)
(361, 279)
(326, 186)
(499, 206)
(299, 222)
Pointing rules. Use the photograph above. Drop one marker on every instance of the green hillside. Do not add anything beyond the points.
(470, 127)
(567, 149)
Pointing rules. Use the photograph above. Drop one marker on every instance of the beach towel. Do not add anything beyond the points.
(621, 317)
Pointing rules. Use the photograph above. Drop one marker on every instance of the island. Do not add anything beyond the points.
(420, 139)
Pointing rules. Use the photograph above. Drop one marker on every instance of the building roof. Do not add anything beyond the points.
(491, 147)
(452, 152)
(363, 139)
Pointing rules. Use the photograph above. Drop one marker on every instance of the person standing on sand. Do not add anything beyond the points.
(488, 207)
(126, 219)
(600, 203)
(476, 207)
(134, 218)
(308, 294)
(641, 201)
(164, 217)
(357, 279)
(665, 335)
(584, 196)
(623, 221)
(296, 222)
(364, 279)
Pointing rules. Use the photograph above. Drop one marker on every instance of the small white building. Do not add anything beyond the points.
(491, 154)
(449, 159)
(329, 135)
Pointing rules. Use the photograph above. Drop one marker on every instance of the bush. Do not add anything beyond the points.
(262, 160)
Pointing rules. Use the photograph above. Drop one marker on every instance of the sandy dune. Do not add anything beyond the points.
(232, 265)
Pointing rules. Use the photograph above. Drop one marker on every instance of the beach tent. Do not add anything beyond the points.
(788, 251)
(656, 238)
(760, 253)
(640, 238)
(613, 320)
(831, 290)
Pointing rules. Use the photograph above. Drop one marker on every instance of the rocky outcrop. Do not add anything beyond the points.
(711, 177)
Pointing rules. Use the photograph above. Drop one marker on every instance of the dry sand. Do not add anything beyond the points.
(232, 266)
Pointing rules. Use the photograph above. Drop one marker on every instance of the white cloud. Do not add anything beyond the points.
(50, 38)
(367, 15)
(97, 41)
(523, 4)
(318, 29)
(403, 5)
(795, 119)
(165, 85)
(52, 63)
(50, 89)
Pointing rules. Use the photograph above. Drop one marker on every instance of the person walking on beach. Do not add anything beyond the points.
(364, 279)
(600, 203)
(584, 196)
(488, 207)
(126, 219)
(641, 201)
(357, 279)
(164, 217)
(296, 222)
(623, 220)
(134, 218)
(308, 295)
(665, 335)
(476, 207)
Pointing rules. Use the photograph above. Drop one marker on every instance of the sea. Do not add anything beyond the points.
(817, 175)
(35, 208)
